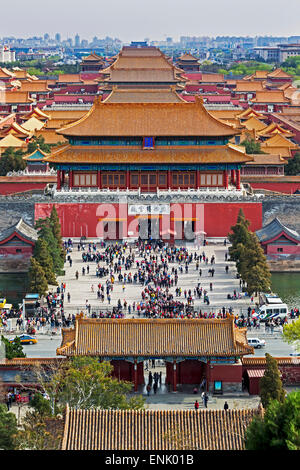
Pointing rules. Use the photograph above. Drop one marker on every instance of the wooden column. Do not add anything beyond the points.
(225, 173)
(207, 374)
(169, 182)
(63, 177)
(58, 183)
(127, 179)
(198, 184)
(174, 376)
(135, 376)
(238, 179)
(70, 179)
(232, 176)
(99, 179)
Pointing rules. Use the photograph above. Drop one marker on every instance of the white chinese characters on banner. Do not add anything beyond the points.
(143, 209)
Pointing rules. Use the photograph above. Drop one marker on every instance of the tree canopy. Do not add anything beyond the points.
(13, 349)
(11, 160)
(84, 382)
(250, 259)
(293, 166)
(291, 334)
(8, 429)
(37, 278)
(252, 146)
(279, 428)
(270, 384)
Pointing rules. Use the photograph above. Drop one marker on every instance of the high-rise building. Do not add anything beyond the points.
(77, 40)
(58, 37)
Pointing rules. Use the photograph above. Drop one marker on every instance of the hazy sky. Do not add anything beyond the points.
(155, 19)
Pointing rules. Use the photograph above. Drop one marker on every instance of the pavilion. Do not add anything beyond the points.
(192, 348)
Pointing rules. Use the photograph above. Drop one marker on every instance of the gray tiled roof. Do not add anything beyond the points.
(275, 228)
(21, 227)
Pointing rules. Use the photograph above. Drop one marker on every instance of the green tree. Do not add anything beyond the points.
(37, 278)
(252, 146)
(11, 160)
(56, 229)
(43, 257)
(13, 349)
(253, 266)
(293, 166)
(84, 382)
(8, 429)
(45, 232)
(38, 434)
(239, 236)
(41, 405)
(278, 428)
(38, 142)
(270, 384)
(250, 259)
(291, 334)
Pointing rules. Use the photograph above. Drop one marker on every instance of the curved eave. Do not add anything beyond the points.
(204, 155)
(138, 122)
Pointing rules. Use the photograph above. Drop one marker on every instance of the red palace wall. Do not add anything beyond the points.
(26, 251)
(191, 372)
(287, 188)
(12, 188)
(215, 219)
(230, 373)
(123, 370)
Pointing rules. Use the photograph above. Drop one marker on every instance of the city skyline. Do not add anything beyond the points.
(135, 21)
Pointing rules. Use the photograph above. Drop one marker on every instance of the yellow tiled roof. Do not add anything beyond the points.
(254, 123)
(278, 140)
(94, 154)
(156, 430)
(11, 141)
(154, 337)
(147, 119)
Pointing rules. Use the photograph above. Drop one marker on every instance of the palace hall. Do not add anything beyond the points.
(160, 156)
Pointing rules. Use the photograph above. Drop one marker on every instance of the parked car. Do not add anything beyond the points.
(256, 342)
(25, 339)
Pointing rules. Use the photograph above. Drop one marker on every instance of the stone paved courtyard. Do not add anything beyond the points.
(223, 283)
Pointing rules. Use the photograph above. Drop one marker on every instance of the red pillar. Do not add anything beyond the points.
(99, 179)
(169, 182)
(174, 377)
(62, 177)
(135, 376)
(238, 179)
(70, 179)
(127, 179)
(225, 173)
(198, 179)
(58, 183)
(207, 375)
(232, 176)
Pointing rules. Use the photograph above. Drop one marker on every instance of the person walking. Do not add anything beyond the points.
(8, 401)
(196, 405)
(205, 399)
(226, 405)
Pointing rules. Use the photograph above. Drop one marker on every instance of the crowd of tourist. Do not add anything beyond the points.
(156, 267)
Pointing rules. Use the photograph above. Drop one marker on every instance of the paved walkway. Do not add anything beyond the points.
(223, 284)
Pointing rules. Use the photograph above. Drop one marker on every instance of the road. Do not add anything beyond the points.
(47, 345)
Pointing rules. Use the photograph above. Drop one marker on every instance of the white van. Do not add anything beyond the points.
(273, 310)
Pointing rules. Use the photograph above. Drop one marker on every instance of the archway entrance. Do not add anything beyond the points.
(155, 377)
(149, 228)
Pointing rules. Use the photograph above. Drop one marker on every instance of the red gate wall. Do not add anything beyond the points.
(79, 220)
